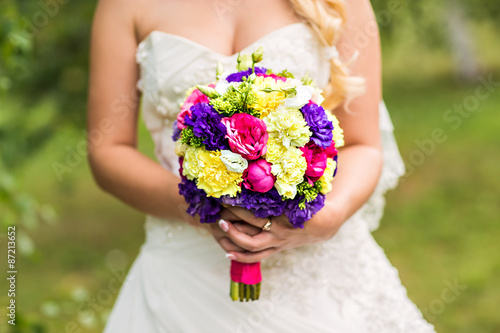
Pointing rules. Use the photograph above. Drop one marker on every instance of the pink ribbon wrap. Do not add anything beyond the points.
(245, 273)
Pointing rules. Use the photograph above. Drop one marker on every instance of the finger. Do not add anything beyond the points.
(246, 228)
(221, 237)
(227, 215)
(248, 216)
(251, 257)
(228, 246)
(255, 243)
(281, 223)
(216, 231)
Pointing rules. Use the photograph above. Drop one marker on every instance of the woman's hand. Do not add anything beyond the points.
(237, 224)
(247, 242)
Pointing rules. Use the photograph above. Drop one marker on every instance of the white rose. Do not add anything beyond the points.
(233, 162)
(221, 86)
(304, 94)
(317, 96)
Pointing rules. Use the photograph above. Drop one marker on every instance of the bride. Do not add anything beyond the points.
(330, 276)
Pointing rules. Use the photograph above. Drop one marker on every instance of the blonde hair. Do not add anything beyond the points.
(327, 18)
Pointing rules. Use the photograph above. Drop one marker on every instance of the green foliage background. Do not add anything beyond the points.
(441, 223)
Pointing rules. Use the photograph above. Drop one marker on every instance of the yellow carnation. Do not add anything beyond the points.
(214, 178)
(191, 166)
(338, 133)
(326, 179)
(275, 150)
(289, 171)
(267, 102)
(288, 126)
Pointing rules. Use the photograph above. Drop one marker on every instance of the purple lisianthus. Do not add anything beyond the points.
(237, 77)
(319, 124)
(177, 132)
(298, 216)
(206, 207)
(207, 124)
(336, 161)
(262, 205)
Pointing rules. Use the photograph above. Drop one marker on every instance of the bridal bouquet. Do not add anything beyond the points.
(259, 140)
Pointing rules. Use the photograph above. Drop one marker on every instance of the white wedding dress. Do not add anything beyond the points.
(180, 280)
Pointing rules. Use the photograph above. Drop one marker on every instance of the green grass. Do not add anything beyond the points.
(441, 223)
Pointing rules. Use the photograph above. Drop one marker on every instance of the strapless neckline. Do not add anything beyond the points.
(185, 40)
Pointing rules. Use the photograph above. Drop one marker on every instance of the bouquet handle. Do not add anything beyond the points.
(245, 281)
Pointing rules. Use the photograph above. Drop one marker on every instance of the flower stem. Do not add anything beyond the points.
(234, 290)
(244, 292)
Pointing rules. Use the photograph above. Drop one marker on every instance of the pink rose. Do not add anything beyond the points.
(258, 176)
(194, 98)
(316, 160)
(247, 135)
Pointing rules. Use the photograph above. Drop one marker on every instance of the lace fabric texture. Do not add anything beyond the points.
(343, 285)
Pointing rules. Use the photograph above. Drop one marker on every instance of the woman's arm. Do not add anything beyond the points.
(112, 119)
(360, 161)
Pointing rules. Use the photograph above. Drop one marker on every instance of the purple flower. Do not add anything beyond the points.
(336, 161)
(207, 124)
(262, 205)
(237, 77)
(319, 124)
(177, 132)
(298, 216)
(207, 208)
(268, 204)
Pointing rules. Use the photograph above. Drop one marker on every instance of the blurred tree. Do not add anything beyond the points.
(44, 59)
(439, 24)
(43, 69)
(482, 10)
(462, 45)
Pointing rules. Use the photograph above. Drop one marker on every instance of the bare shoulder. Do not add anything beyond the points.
(360, 17)
(114, 15)
(359, 7)
(359, 14)
(360, 32)
(123, 9)
(360, 46)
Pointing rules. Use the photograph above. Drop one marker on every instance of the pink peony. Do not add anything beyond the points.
(331, 151)
(258, 176)
(274, 76)
(316, 160)
(247, 135)
(194, 98)
(181, 169)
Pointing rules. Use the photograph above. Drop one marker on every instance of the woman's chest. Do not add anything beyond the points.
(225, 26)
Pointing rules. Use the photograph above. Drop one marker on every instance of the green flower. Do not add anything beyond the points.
(236, 99)
(258, 55)
(310, 192)
(188, 137)
(244, 62)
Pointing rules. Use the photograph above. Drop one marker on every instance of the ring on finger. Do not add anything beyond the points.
(267, 226)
